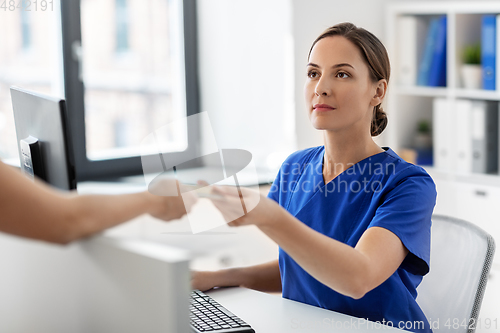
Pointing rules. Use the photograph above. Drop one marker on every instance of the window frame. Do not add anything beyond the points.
(87, 169)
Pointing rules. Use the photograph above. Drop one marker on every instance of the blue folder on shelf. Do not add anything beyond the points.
(425, 64)
(488, 51)
(437, 72)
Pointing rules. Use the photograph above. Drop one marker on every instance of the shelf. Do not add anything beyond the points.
(445, 7)
(443, 107)
(479, 179)
(412, 103)
(456, 124)
(471, 178)
(492, 95)
(421, 91)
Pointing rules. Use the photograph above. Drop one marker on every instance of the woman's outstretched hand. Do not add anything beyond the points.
(204, 280)
(242, 206)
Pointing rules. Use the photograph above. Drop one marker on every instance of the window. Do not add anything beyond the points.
(126, 77)
(121, 25)
(26, 29)
(31, 58)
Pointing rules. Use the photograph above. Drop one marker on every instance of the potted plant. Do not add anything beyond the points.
(471, 68)
(423, 143)
(423, 138)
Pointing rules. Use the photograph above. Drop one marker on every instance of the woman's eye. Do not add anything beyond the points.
(342, 75)
(312, 74)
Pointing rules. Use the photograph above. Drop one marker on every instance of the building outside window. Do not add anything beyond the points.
(25, 29)
(122, 25)
(122, 78)
(31, 58)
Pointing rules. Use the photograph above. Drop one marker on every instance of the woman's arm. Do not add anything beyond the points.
(263, 277)
(350, 271)
(35, 210)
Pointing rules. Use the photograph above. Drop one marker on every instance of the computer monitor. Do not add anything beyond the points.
(42, 138)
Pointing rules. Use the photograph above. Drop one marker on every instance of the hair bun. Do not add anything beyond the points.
(379, 121)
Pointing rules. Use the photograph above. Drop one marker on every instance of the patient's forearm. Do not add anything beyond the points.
(94, 213)
(35, 210)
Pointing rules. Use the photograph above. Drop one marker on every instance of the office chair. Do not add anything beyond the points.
(452, 292)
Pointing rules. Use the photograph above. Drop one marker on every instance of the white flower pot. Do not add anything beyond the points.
(472, 76)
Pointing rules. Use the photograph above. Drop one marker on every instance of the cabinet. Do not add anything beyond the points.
(463, 192)
(475, 203)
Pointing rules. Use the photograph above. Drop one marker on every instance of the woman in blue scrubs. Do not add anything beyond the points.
(352, 219)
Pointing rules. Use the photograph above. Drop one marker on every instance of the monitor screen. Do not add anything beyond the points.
(42, 138)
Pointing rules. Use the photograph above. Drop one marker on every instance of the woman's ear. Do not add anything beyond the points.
(380, 90)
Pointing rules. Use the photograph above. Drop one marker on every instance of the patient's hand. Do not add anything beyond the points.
(170, 207)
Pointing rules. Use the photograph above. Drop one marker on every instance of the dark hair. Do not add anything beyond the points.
(375, 56)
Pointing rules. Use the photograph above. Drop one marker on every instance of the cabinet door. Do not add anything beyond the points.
(445, 202)
(480, 205)
(441, 114)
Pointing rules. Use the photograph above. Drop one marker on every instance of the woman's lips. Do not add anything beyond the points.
(323, 107)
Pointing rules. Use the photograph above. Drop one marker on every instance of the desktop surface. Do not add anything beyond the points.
(273, 314)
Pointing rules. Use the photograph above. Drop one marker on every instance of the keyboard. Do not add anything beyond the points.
(209, 316)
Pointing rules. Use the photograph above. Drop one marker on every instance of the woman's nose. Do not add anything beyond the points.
(322, 89)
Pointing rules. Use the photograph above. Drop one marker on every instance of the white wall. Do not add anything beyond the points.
(246, 74)
(310, 19)
(252, 68)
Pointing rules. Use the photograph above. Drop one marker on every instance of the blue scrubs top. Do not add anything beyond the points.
(381, 190)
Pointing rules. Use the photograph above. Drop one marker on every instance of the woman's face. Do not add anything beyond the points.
(339, 91)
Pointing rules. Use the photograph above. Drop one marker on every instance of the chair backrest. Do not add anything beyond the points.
(451, 293)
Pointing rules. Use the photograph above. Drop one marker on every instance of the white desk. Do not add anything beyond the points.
(274, 314)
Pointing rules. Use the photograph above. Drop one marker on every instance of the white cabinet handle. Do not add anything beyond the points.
(481, 193)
